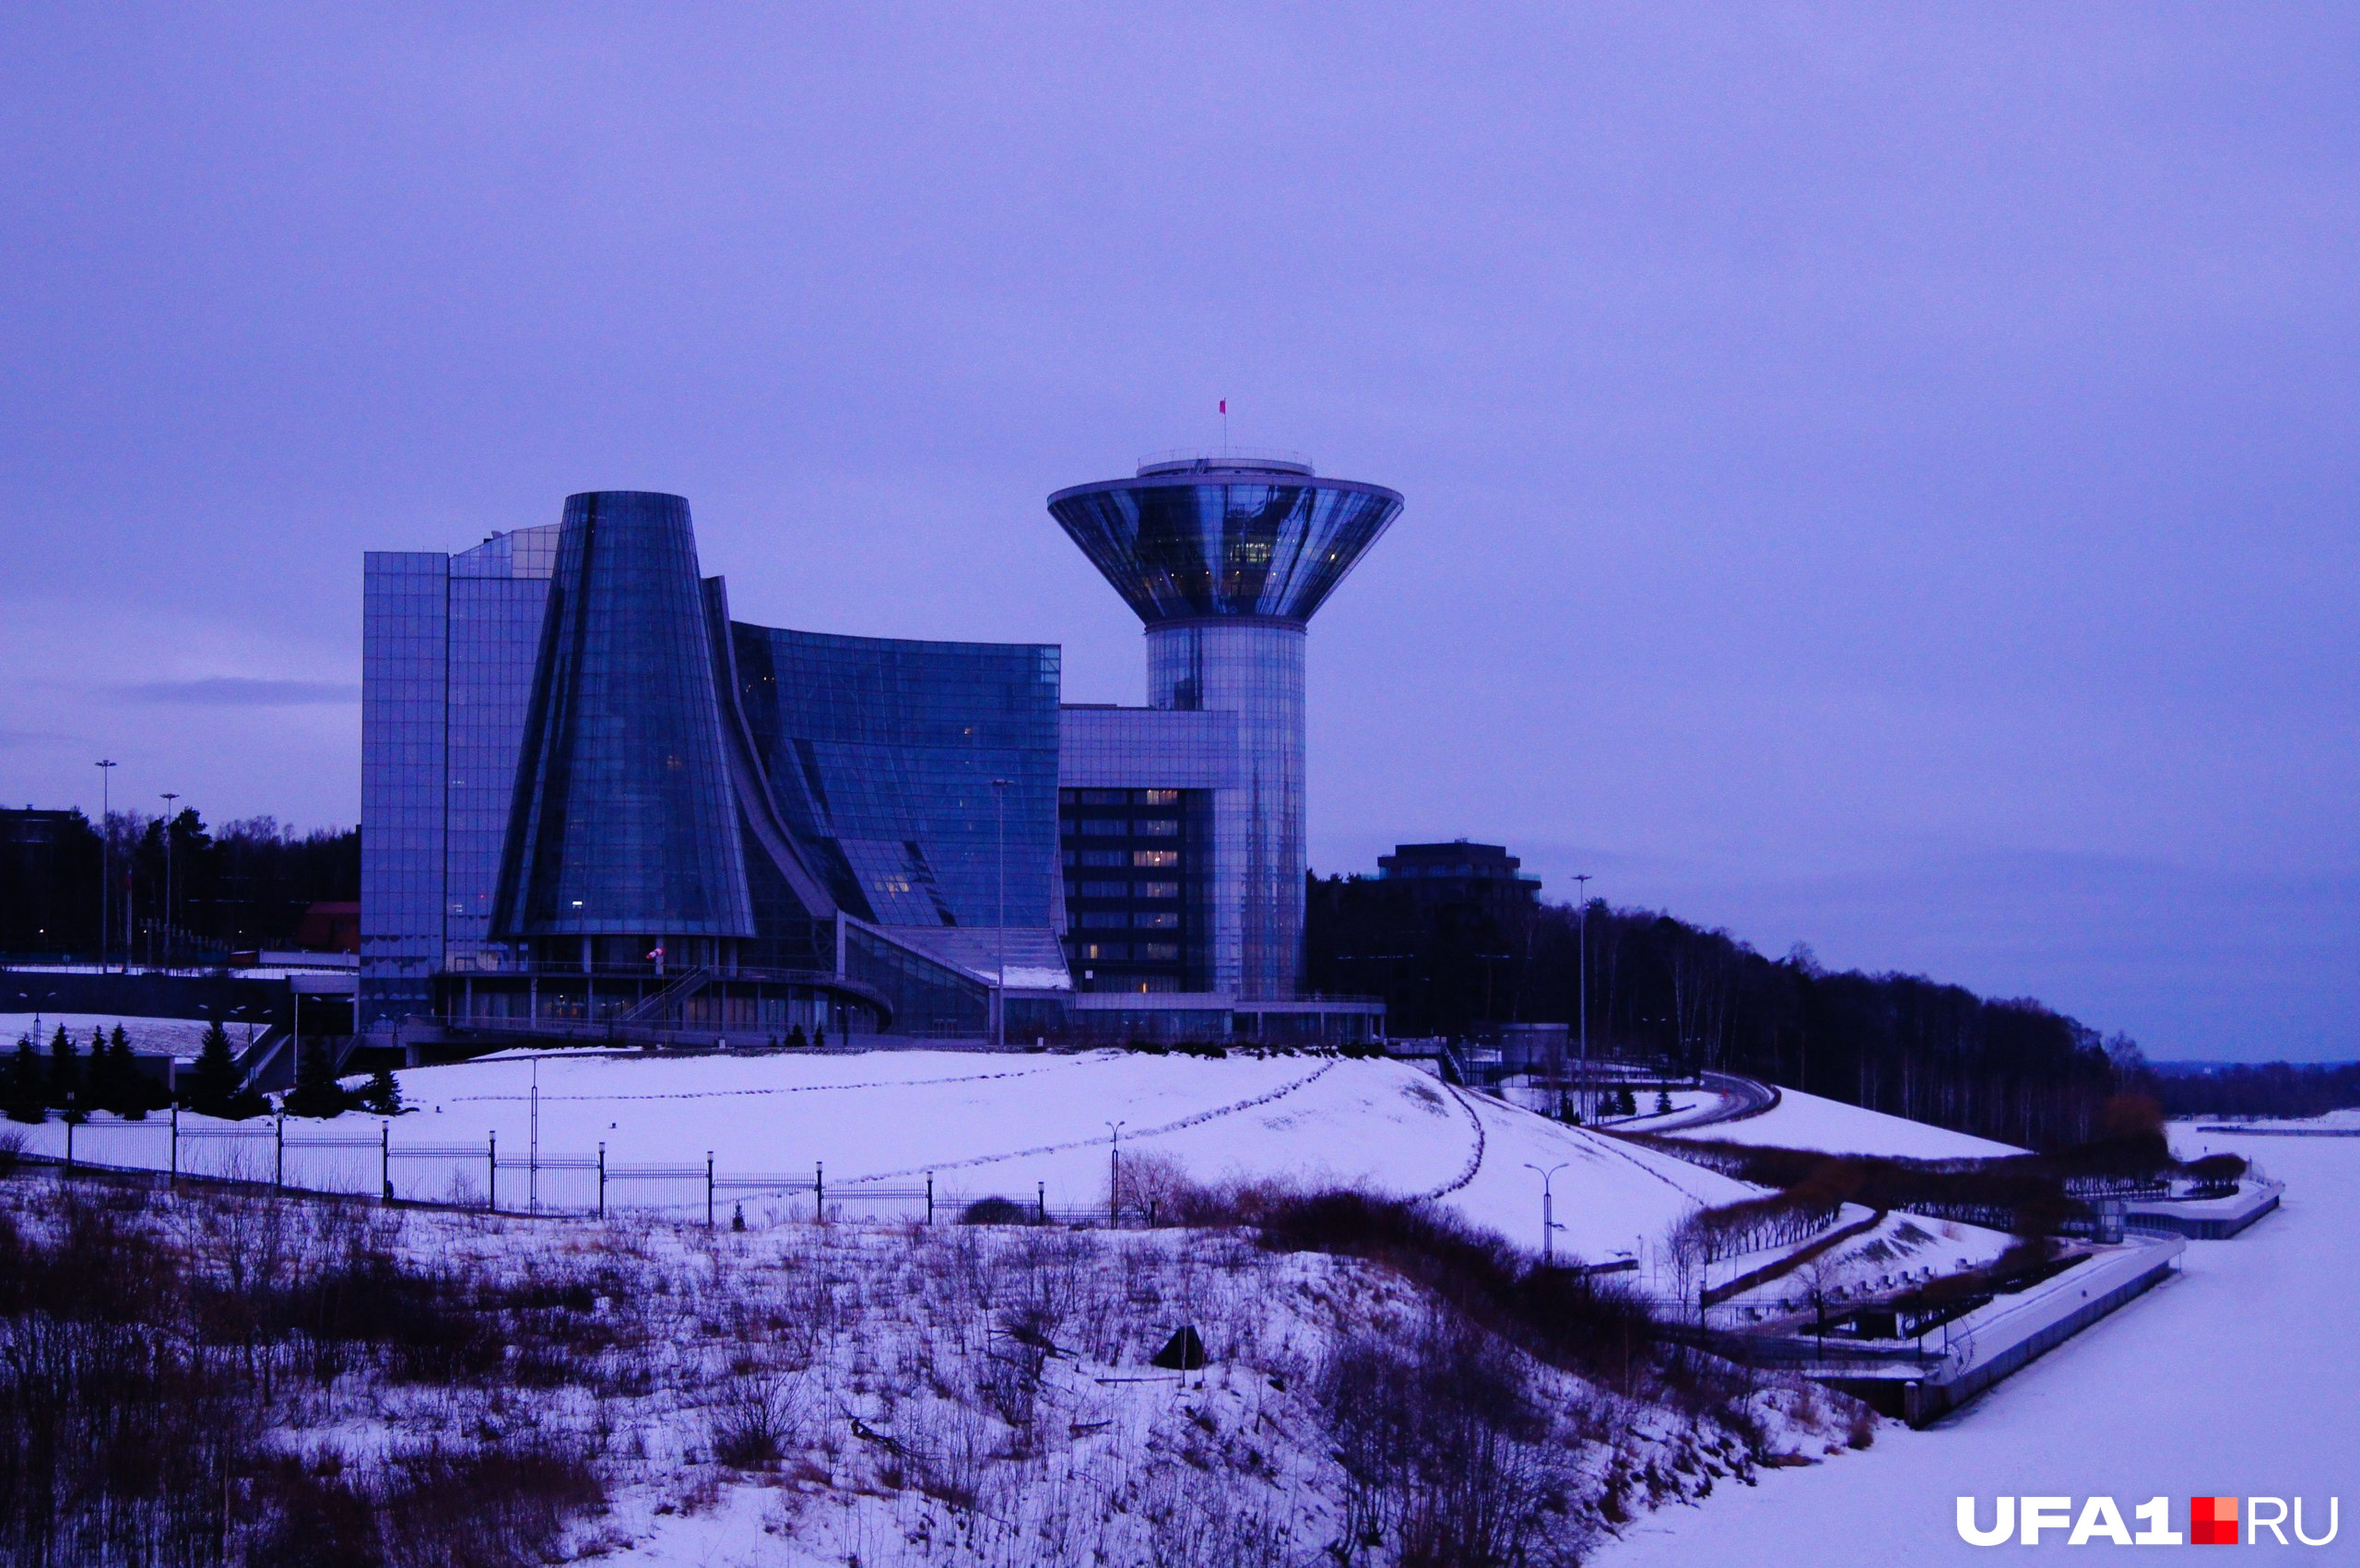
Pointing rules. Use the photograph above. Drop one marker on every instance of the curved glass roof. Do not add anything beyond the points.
(1218, 543)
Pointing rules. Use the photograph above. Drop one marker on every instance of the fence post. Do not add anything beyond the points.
(278, 1151)
(708, 1189)
(491, 1173)
(175, 1182)
(930, 1197)
(1041, 1202)
(385, 1160)
(602, 1181)
(69, 1144)
(819, 1192)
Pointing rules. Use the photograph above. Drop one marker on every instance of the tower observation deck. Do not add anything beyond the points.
(1226, 556)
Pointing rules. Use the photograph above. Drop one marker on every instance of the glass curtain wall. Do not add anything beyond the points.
(1253, 668)
(623, 825)
(882, 752)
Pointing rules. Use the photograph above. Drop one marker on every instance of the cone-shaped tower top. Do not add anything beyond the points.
(1225, 532)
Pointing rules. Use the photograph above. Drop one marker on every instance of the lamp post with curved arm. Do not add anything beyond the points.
(1549, 1226)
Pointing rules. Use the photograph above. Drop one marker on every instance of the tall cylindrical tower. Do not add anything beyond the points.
(1225, 556)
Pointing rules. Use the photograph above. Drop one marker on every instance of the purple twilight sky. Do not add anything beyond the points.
(1881, 477)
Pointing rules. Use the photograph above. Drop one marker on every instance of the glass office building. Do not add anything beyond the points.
(598, 806)
(595, 806)
(1225, 556)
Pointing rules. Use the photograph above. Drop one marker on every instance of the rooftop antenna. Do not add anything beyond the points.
(1225, 426)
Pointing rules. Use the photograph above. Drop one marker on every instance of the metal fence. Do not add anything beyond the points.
(531, 1182)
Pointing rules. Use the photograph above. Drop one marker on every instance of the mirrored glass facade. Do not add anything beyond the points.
(881, 753)
(405, 618)
(1210, 540)
(1254, 669)
(498, 592)
(623, 822)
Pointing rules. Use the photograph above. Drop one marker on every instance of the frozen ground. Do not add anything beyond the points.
(177, 1036)
(2234, 1379)
(1807, 1121)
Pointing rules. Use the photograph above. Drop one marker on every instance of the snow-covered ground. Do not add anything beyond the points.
(156, 1036)
(1808, 1121)
(2233, 1379)
(1018, 1126)
(1012, 1126)
(2334, 1121)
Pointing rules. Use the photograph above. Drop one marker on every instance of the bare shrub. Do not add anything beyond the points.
(758, 1418)
(996, 1212)
(1443, 1447)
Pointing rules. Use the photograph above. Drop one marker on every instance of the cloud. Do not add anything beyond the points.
(239, 691)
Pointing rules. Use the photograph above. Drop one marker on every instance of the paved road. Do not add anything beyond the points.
(1735, 1098)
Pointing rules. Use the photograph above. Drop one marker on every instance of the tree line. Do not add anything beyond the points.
(1660, 989)
(2255, 1088)
(244, 885)
(73, 1081)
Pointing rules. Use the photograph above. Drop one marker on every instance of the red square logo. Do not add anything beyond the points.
(2212, 1521)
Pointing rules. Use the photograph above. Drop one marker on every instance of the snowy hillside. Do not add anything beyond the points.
(1808, 1121)
(1017, 1125)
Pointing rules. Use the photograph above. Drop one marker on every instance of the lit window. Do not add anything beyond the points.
(1154, 921)
(1158, 860)
(1159, 890)
(1161, 796)
(1160, 828)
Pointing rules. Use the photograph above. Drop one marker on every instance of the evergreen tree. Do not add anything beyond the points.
(316, 1092)
(65, 1068)
(1663, 1101)
(382, 1097)
(214, 1078)
(132, 1096)
(24, 1084)
(797, 1039)
(820, 1038)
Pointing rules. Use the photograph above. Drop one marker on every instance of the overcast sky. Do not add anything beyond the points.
(1877, 477)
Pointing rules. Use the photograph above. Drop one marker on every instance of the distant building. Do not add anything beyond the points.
(49, 870)
(1442, 931)
(1484, 876)
(329, 929)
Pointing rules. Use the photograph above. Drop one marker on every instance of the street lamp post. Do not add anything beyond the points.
(169, 797)
(999, 926)
(106, 766)
(1549, 1226)
(1115, 1173)
(1581, 986)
